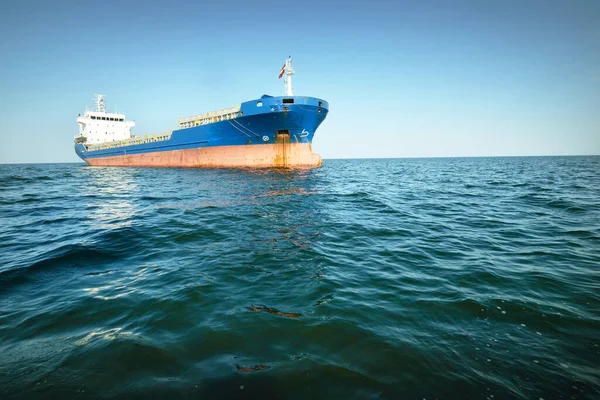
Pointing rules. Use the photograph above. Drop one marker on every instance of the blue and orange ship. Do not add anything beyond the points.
(266, 132)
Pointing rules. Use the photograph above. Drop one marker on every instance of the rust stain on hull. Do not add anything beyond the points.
(282, 144)
(280, 154)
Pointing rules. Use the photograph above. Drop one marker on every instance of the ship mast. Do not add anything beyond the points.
(100, 103)
(289, 71)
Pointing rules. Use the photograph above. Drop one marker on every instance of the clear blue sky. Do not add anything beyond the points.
(403, 78)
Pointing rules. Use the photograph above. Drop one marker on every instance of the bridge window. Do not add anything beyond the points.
(288, 101)
(93, 117)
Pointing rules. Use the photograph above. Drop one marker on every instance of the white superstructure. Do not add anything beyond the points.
(101, 127)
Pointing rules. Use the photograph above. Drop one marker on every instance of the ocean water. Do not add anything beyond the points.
(459, 278)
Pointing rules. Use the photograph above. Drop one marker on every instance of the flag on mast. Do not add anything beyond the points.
(282, 71)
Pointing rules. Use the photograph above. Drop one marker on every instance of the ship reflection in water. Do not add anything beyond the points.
(111, 194)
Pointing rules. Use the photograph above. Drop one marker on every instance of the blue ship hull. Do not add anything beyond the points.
(270, 131)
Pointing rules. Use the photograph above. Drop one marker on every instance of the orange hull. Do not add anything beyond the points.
(265, 155)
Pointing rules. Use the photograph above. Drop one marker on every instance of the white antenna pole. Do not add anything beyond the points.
(289, 71)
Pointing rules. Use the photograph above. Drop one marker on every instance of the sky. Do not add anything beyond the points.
(402, 78)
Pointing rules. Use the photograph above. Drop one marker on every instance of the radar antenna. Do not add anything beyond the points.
(100, 103)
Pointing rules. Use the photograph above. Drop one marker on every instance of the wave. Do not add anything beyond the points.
(364, 279)
(66, 256)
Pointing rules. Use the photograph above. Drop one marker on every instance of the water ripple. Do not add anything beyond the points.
(415, 278)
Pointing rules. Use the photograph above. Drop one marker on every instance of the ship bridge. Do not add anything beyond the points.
(100, 127)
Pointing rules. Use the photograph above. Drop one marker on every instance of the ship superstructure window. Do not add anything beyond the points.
(93, 117)
(288, 101)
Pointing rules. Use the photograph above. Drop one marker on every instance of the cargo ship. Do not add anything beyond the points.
(271, 131)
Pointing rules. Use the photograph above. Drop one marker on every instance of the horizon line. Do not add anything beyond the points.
(341, 158)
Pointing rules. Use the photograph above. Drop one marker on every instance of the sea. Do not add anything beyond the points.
(432, 278)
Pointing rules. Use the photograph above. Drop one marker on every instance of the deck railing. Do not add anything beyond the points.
(210, 117)
(160, 137)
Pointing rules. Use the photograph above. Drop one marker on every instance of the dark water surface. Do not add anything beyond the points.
(411, 278)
